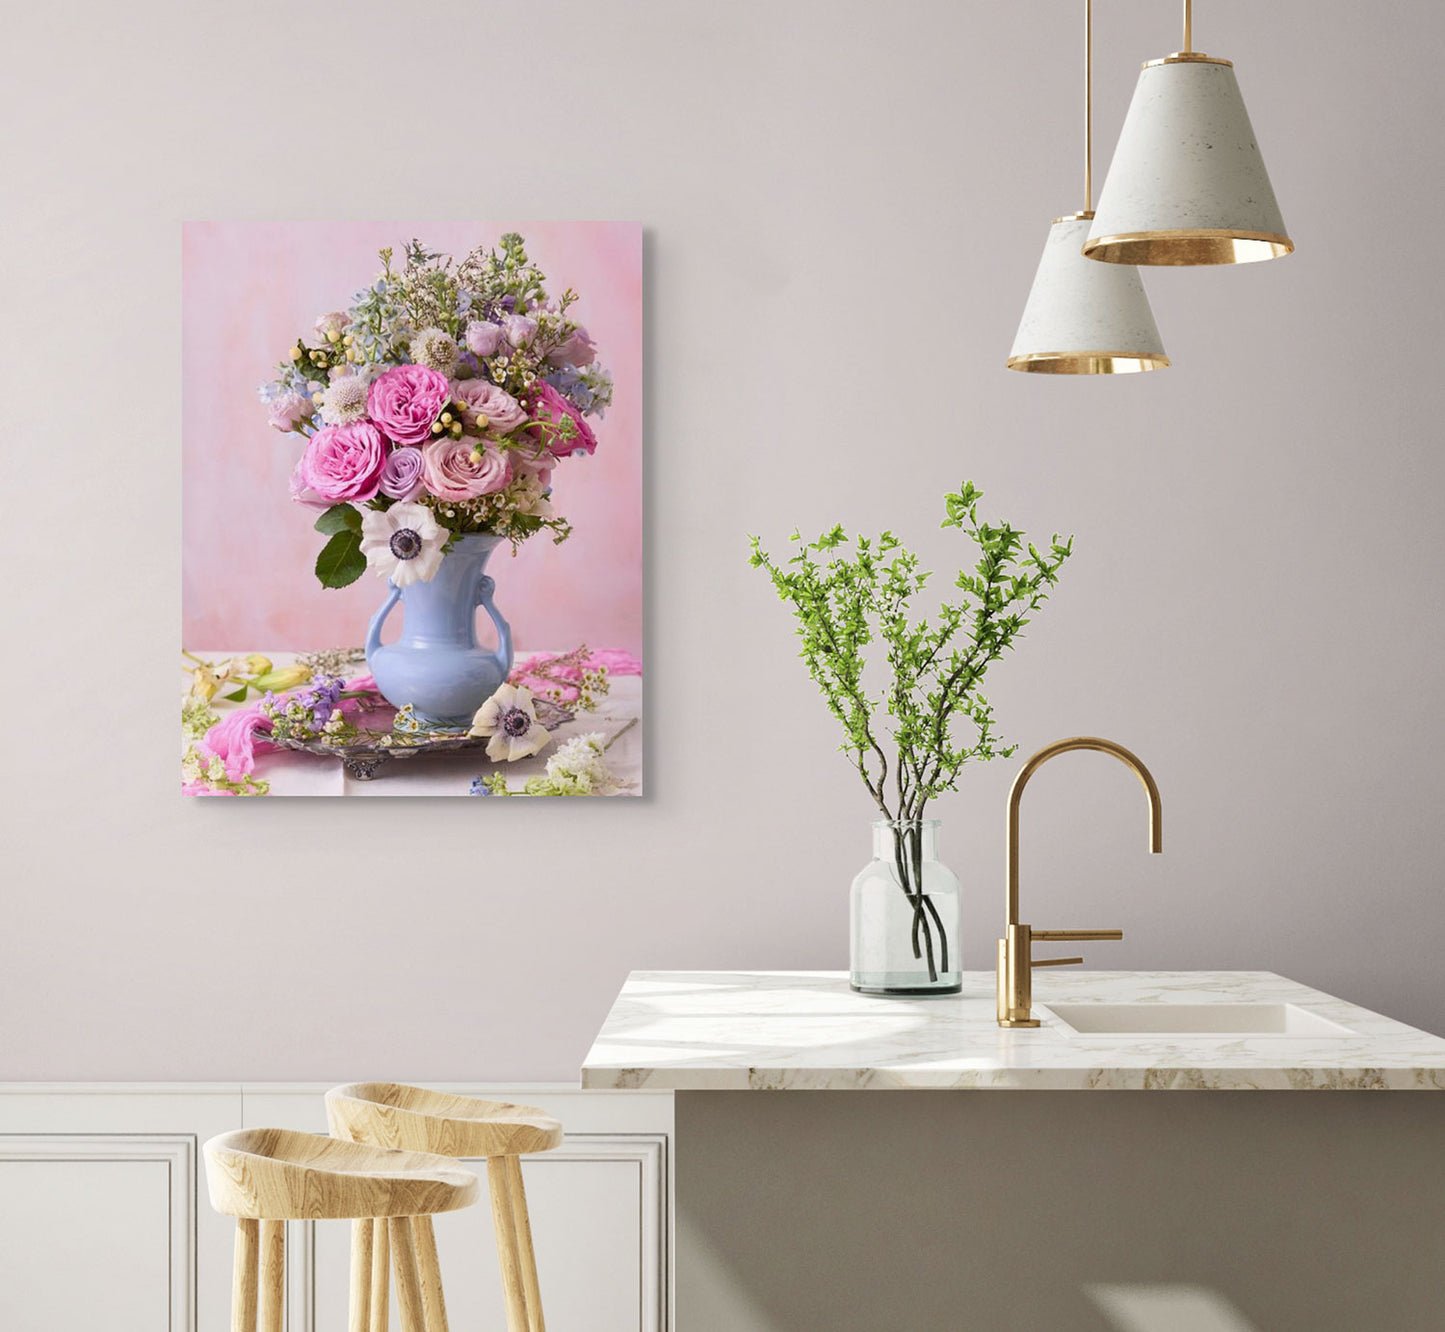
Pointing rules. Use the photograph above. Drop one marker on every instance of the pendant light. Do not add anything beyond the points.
(1083, 318)
(1187, 184)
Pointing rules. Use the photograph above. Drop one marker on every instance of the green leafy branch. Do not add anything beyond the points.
(848, 594)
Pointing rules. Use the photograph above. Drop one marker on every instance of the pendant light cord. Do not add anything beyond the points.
(1188, 25)
(1089, 106)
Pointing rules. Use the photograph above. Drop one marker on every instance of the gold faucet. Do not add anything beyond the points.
(1015, 950)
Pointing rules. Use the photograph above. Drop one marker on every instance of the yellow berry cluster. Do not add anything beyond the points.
(449, 422)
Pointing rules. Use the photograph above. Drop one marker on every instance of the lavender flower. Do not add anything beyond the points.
(321, 700)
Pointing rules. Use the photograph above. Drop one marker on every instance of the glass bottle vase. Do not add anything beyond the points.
(904, 915)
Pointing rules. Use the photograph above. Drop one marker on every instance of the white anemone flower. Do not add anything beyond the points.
(403, 543)
(510, 720)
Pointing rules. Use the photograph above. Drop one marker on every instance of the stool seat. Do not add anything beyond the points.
(280, 1175)
(418, 1120)
(391, 1114)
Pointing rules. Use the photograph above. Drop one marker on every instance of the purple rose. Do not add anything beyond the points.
(502, 411)
(519, 329)
(401, 476)
(406, 400)
(483, 338)
(344, 462)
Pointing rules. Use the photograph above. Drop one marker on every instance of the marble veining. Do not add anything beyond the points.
(806, 1030)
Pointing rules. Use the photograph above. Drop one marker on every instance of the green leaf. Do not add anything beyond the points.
(339, 518)
(238, 697)
(341, 562)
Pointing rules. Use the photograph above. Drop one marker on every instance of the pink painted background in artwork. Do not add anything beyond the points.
(250, 288)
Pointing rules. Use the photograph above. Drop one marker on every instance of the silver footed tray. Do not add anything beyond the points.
(366, 753)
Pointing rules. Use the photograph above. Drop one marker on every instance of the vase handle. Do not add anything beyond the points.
(486, 585)
(373, 631)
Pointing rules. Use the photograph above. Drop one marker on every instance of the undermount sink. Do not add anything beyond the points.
(1194, 1020)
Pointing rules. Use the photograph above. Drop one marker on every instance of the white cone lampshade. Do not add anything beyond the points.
(1187, 184)
(1085, 318)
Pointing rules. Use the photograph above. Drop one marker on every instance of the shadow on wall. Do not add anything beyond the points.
(1168, 1309)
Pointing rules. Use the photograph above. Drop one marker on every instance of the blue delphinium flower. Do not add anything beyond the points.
(479, 787)
(570, 384)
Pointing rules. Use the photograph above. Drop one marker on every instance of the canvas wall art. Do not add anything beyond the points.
(412, 509)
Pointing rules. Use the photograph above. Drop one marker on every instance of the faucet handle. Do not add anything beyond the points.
(1072, 935)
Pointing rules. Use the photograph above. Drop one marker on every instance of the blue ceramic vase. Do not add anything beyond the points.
(437, 665)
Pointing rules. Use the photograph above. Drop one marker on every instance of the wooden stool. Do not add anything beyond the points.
(266, 1177)
(386, 1114)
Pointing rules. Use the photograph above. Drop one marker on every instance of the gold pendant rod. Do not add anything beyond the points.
(1088, 106)
(1188, 25)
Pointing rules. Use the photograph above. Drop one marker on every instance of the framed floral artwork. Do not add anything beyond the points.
(412, 509)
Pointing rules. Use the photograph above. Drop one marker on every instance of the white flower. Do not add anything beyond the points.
(581, 762)
(435, 350)
(403, 543)
(529, 496)
(508, 717)
(344, 400)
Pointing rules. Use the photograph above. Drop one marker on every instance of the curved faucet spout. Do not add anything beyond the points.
(1130, 761)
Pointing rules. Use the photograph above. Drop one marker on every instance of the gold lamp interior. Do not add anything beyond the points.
(1191, 247)
(1087, 363)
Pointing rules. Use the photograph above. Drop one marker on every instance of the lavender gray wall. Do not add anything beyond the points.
(844, 204)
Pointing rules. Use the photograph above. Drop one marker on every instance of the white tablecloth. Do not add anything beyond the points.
(449, 774)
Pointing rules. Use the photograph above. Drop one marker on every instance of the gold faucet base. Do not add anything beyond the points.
(1018, 1022)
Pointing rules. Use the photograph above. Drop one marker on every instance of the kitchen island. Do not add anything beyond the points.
(1074, 1202)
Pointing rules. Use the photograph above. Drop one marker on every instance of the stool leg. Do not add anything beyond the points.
(408, 1278)
(523, 1225)
(244, 1275)
(505, 1226)
(380, 1276)
(425, 1239)
(273, 1276)
(359, 1319)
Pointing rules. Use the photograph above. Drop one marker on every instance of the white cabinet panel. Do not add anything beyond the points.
(105, 1222)
(90, 1242)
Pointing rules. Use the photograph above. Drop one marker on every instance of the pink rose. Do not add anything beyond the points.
(483, 338)
(503, 412)
(519, 329)
(579, 349)
(288, 411)
(529, 458)
(406, 400)
(549, 409)
(344, 462)
(334, 322)
(301, 493)
(460, 469)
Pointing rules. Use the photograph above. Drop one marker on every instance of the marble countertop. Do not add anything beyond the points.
(806, 1030)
